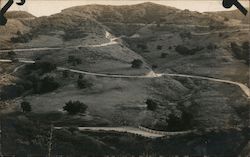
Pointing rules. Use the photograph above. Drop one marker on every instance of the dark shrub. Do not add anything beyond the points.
(136, 63)
(83, 83)
(159, 47)
(186, 51)
(164, 55)
(74, 60)
(151, 105)
(154, 66)
(75, 107)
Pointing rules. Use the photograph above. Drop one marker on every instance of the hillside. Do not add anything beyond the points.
(235, 14)
(140, 65)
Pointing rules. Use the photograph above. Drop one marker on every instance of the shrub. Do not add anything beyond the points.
(43, 66)
(136, 63)
(164, 55)
(151, 105)
(83, 83)
(154, 66)
(186, 51)
(26, 107)
(75, 107)
(74, 60)
(159, 47)
(182, 49)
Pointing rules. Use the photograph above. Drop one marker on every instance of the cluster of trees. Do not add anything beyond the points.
(151, 105)
(186, 51)
(41, 67)
(36, 81)
(136, 63)
(75, 107)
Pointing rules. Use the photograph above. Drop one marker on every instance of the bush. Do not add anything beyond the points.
(75, 107)
(83, 83)
(151, 105)
(164, 55)
(154, 66)
(186, 51)
(136, 63)
(26, 107)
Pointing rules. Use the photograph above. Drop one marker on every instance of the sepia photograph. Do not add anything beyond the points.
(167, 78)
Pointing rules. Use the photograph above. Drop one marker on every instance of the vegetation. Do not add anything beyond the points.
(45, 85)
(159, 47)
(241, 52)
(41, 67)
(73, 60)
(83, 83)
(186, 51)
(137, 63)
(75, 107)
(151, 105)
(26, 107)
(164, 55)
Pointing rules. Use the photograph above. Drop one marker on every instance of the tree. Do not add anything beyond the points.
(151, 105)
(136, 63)
(75, 107)
(26, 107)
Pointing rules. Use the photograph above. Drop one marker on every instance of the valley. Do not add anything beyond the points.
(143, 71)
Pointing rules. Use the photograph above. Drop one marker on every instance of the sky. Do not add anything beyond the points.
(48, 7)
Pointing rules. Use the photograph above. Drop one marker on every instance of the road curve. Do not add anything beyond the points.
(243, 87)
(131, 130)
(151, 74)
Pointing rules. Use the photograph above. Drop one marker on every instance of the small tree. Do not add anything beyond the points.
(75, 107)
(136, 63)
(26, 107)
(151, 105)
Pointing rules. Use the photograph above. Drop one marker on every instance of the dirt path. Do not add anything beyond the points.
(141, 131)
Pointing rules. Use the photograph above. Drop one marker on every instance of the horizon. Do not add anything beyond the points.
(43, 8)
